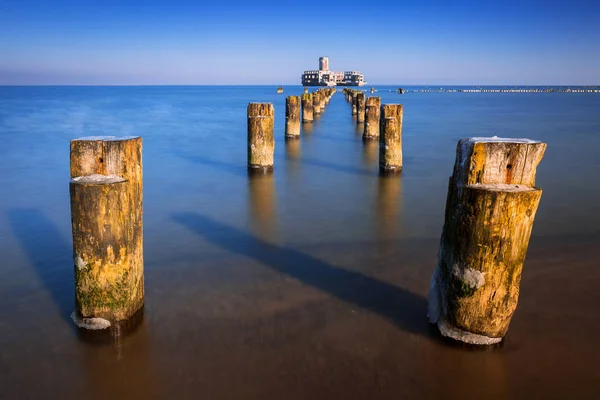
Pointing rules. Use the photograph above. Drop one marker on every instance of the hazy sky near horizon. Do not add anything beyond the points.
(273, 42)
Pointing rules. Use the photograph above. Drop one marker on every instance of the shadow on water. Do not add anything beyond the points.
(49, 254)
(230, 168)
(339, 168)
(407, 310)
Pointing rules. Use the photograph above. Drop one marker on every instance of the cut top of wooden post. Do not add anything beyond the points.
(260, 110)
(107, 155)
(494, 160)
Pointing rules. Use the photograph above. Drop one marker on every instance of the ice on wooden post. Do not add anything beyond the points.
(261, 141)
(372, 113)
(106, 217)
(390, 138)
(490, 209)
(292, 117)
(360, 107)
(307, 107)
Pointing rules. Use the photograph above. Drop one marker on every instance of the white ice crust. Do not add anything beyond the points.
(502, 187)
(97, 178)
(496, 139)
(453, 332)
(107, 138)
(469, 276)
(90, 323)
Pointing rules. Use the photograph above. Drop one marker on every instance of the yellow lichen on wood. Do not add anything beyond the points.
(490, 210)
(292, 116)
(261, 141)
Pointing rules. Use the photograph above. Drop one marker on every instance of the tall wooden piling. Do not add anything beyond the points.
(390, 138)
(106, 218)
(490, 209)
(322, 101)
(316, 103)
(360, 107)
(372, 113)
(354, 98)
(307, 107)
(261, 142)
(292, 117)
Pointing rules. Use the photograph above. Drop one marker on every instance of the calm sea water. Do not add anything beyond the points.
(309, 283)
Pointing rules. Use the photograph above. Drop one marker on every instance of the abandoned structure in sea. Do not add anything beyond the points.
(324, 77)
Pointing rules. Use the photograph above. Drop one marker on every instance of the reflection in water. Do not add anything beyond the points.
(389, 203)
(132, 369)
(370, 152)
(359, 128)
(261, 195)
(480, 373)
(292, 149)
(307, 129)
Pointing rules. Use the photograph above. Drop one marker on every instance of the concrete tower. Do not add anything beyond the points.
(324, 63)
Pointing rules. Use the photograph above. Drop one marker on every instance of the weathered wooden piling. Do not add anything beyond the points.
(261, 141)
(490, 209)
(106, 218)
(322, 101)
(316, 103)
(292, 117)
(354, 99)
(372, 113)
(305, 89)
(360, 107)
(307, 107)
(390, 138)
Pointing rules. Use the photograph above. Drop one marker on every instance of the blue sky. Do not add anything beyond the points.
(272, 42)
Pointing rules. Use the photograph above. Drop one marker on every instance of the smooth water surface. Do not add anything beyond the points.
(307, 283)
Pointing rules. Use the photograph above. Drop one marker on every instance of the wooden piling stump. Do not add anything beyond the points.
(354, 98)
(316, 103)
(372, 113)
(390, 138)
(390, 146)
(261, 141)
(490, 211)
(360, 107)
(292, 117)
(307, 107)
(106, 217)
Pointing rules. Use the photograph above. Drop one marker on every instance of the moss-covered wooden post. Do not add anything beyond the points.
(106, 219)
(390, 138)
(491, 205)
(261, 141)
(360, 107)
(307, 107)
(292, 117)
(372, 112)
(316, 103)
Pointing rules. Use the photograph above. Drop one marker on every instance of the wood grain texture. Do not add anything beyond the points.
(261, 141)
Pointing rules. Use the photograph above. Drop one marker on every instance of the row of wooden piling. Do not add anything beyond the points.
(261, 138)
(381, 122)
(490, 209)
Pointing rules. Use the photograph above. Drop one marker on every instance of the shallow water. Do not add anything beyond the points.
(309, 283)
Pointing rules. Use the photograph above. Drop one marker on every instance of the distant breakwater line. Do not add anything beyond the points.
(506, 90)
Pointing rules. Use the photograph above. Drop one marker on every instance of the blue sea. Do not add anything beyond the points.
(307, 283)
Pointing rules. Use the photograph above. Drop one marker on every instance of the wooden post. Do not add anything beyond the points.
(106, 217)
(372, 112)
(322, 100)
(261, 142)
(360, 107)
(292, 117)
(354, 97)
(390, 139)
(491, 205)
(307, 107)
(305, 89)
(316, 103)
